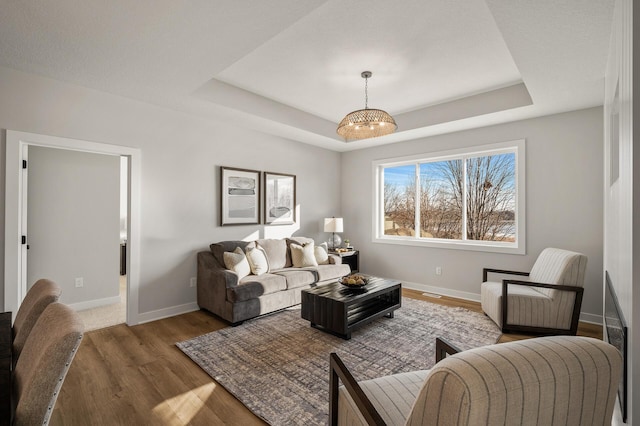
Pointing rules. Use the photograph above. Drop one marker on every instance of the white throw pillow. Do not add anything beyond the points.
(258, 261)
(322, 254)
(236, 261)
(303, 255)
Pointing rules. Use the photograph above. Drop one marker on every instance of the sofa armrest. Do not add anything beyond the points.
(210, 272)
(212, 283)
(334, 259)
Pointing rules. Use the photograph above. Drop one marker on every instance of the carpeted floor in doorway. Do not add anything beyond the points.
(278, 366)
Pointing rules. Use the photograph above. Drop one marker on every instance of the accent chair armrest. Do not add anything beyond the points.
(485, 271)
(575, 316)
(444, 348)
(339, 372)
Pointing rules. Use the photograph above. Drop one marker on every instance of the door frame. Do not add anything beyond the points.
(15, 285)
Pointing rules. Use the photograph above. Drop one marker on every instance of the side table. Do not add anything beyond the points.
(351, 258)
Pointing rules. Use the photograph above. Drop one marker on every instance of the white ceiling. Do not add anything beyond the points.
(292, 68)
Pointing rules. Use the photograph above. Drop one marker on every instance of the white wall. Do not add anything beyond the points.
(180, 158)
(563, 199)
(73, 222)
(622, 195)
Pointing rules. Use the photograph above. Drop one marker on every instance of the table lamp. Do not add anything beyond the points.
(333, 225)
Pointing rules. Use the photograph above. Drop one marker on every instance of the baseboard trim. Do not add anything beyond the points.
(167, 312)
(96, 303)
(584, 316)
(591, 318)
(442, 291)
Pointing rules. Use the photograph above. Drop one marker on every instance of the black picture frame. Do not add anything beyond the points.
(279, 198)
(240, 192)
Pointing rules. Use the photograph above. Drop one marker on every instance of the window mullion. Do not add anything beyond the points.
(464, 198)
(417, 202)
(379, 202)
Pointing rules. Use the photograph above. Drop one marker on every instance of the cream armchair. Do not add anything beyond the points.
(541, 381)
(548, 303)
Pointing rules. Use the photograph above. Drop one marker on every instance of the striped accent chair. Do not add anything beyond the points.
(41, 294)
(44, 363)
(547, 303)
(556, 380)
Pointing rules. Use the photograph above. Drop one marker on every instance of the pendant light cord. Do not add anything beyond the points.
(366, 93)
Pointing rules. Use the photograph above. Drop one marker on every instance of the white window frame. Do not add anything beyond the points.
(518, 247)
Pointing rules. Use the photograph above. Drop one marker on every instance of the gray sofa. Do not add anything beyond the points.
(235, 300)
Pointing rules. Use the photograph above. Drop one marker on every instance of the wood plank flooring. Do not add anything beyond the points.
(136, 376)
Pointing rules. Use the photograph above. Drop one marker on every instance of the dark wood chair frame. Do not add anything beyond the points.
(339, 372)
(508, 328)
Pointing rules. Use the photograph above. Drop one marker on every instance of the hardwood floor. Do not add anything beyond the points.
(136, 376)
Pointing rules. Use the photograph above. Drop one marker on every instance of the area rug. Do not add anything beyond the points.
(278, 366)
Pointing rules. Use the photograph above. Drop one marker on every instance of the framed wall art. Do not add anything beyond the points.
(239, 196)
(280, 198)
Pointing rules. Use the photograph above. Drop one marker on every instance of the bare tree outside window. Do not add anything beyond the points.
(440, 195)
(489, 193)
(491, 198)
(399, 201)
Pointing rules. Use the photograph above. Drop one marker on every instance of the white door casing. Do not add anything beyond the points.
(15, 284)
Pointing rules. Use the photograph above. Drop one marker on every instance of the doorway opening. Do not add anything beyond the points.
(16, 214)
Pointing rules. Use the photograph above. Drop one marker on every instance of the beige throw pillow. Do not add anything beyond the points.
(258, 261)
(303, 255)
(236, 261)
(322, 254)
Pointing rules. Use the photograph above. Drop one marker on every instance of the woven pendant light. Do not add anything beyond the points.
(366, 123)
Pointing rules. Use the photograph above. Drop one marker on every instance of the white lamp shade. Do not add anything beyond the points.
(333, 224)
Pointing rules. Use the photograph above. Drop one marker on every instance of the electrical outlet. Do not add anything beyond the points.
(438, 270)
(192, 282)
(79, 282)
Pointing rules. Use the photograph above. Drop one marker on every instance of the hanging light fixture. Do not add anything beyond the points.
(366, 123)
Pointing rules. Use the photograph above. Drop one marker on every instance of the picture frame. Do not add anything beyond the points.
(280, 198)
(240, 191)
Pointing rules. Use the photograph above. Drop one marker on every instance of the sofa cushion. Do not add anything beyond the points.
(276, 251)
(296, 240)
(236, 261)
(297, 277)
(303, 255)
(332, 272)
(321, 253)
(253, 286)
(219, 248)
(257, 260)
(300, 240)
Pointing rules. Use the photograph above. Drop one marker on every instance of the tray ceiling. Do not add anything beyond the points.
(292, 68)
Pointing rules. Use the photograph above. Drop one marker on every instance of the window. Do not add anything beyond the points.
(469, 199)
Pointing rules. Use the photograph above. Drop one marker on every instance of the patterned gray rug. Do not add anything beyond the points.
(278, 366)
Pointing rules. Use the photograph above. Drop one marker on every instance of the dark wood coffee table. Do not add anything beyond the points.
(338, 310)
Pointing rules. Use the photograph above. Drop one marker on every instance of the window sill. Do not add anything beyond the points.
(485, 246)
